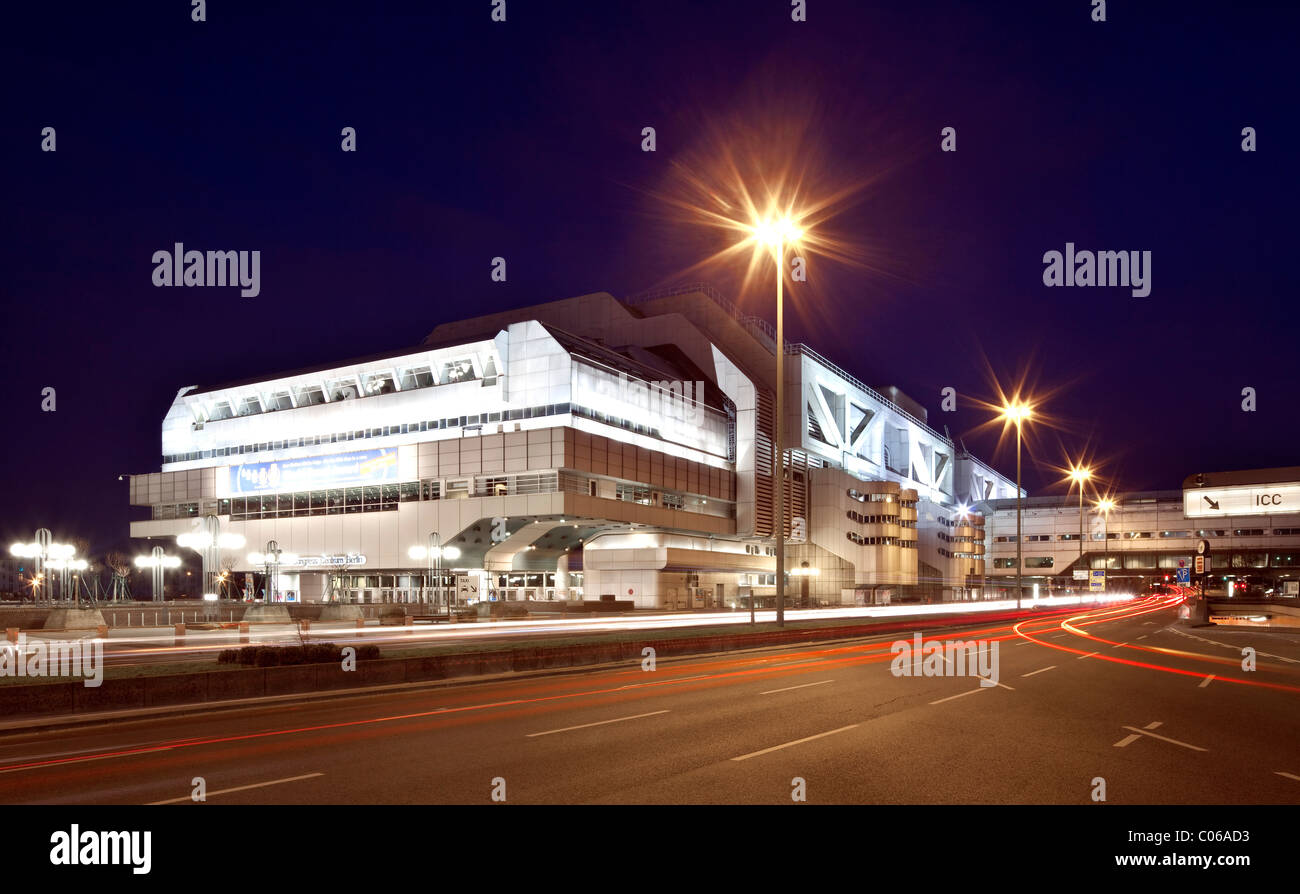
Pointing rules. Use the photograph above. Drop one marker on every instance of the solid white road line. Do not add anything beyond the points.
(960, 695)
(1165, 739)
(1205, 682)
(1039, 671)
(745, 757)
(1288, 775)
(240, 788)
(597, 723)
(800, 686)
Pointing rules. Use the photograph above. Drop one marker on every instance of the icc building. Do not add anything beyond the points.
(579, 449)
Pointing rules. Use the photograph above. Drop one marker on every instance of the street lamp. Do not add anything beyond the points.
(208, 541)
(777, 233)
(434, 552)
(1105, 505)
(1018, 413)
(158, 563)
(271, 560)
(44, 551)
(1080, 474)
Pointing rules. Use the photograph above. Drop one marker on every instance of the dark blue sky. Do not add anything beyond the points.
(523, 140)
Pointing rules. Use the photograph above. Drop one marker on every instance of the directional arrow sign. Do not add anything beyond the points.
(1214, 504)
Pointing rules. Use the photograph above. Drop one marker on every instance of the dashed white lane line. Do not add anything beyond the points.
(745, 757)
(1155, 724)
(1287, 775)
(597, 723)
(1089, 655)
(1143, 636)
(240, 788)
(800, 686)
(1039, 671)
(1165, 739)
(1117, 645)
(1205, 682)
(1126, 741)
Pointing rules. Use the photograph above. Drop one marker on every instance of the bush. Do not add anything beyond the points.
(285, 656)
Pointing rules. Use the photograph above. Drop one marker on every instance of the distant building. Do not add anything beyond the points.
(1250, 519)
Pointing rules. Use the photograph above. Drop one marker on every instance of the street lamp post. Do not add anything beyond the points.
(434, 553)
(1105, 505)
(1018, 413)
(158, 563)
(777, 233)
(1080, 474)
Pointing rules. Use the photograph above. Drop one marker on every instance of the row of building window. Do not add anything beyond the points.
(347, 388)
(377, 432)
(879, 541)
(1151, 560)
(872, 519)
(1148, 535)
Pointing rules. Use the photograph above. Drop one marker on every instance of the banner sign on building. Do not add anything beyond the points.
(1262, 499)
(315, 472)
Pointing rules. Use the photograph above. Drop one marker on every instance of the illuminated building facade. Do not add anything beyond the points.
(581, 448)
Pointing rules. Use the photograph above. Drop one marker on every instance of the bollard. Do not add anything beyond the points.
(180, 634)
(11, 633)
(243, 632)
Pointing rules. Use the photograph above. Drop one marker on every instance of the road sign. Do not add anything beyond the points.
(1184, 575)
(1097, 583)
(1081, 574)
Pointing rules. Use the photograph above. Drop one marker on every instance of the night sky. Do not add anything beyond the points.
(523, 140)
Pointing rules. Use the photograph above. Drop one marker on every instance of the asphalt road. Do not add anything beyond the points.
(1161, 711)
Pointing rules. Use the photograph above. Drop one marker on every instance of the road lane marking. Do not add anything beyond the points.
(1288, 775)
(1039, 671)
(1089, 655)
(960, 694)
(1117, 645)
(658, 682)
(800, 686)
(1155, 724)
(1166, 739)
(1205, 682)
(597, 723)
(745, 757)
(1126, 741)
(239, 788)
(1143, 636)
